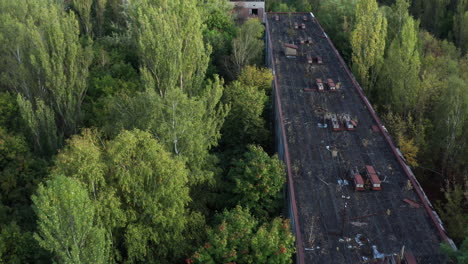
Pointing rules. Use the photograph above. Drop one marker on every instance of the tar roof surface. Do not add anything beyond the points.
(331, 216)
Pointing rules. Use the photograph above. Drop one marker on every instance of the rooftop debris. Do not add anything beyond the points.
(327, 209)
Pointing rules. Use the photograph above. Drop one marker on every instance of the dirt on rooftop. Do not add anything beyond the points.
(337, 223)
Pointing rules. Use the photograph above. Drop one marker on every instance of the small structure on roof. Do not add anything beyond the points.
(296, 26)
(309, 59)
(319, 83)
(309, 40)
(290, 50)
(374, 179)
(319, 60)
(301, 40)
(349, 124)
(358, 181)
(331, 85)
(303, 26)
(276, 18)
(304, 18)
(334, 123)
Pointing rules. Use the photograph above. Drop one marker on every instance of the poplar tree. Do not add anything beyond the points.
(169, 39)
(368, 42)
(44, 61)
(399, 82)
(83, 11)
(460, 25)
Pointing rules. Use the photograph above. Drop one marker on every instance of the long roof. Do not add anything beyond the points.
(334, 223)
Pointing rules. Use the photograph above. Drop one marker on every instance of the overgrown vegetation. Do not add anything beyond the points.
(140, 127)
(130, 132)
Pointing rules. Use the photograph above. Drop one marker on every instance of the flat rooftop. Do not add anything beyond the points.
(337, 224)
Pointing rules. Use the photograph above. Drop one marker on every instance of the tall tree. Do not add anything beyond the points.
(244, 123)
(399, 81)
(139, 193)
(460, 28)
(44, 61)
(239, 238)
(452, 212)
(337, 18)
(451, 121)
(154, 193)
(247, 47)
(187, 127)
(219, 31)
(397, 16)
(83, 10)
(84, 159)
(67, 224)
(169, 36)
(257, 77)
(258, 182)
(368, 42)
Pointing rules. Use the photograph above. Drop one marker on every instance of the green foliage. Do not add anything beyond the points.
(188, 127)
(452, 213)
(397, 16)
(139, 193)
(41, 123)
(154, 193)
(244, 123)
(219, 31)
(460, 28)
(338, 19)
(258, 181)
(247, 47)
(368, 42)
(239, 238)
(44, 60)
(83, 11)
(18, 246)
(399, 82)
(258, 77)
(66, 222)
(20, 172)
(9, 112)
(291, 5)
(456, 256)
(452, 121)
(169, 37)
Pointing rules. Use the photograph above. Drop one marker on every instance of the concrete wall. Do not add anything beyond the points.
(244, 9)
(281, 147)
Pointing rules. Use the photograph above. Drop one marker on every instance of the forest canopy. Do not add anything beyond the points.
(139, 131)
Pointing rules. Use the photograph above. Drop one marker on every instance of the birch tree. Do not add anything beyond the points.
(247, 47)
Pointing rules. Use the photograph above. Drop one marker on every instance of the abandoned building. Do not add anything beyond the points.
(351, 197)
(249, 9)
